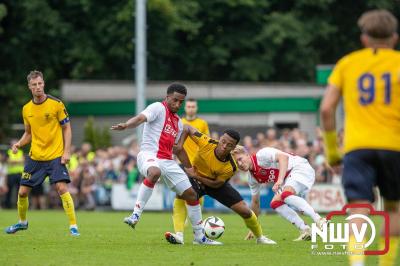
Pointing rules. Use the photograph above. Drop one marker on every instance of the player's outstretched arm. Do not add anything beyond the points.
(25, 139)
(182, 139)
(191, 131)
(131, 123)
(180, 152)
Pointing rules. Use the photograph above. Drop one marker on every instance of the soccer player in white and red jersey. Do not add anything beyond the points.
(292, 176)
(162, 130)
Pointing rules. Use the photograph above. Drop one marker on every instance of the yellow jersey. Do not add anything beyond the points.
(45, 120)
(207, 164)
(190, 146)
(369, 81)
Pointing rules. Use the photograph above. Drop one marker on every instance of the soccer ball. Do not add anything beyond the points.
(214, 227)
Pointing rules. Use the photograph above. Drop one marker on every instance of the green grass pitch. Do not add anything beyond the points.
(105, 240)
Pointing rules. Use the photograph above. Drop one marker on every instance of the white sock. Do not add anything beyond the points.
(143, 197)
(23, 222)
(73, 226)
(303, 206)
(194, 214)
(292, 216)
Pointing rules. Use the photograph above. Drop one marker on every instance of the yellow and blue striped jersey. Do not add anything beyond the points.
(45, 120)
(369, 80)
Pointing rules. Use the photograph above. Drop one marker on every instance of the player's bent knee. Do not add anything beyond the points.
(286, 194)
(276, 203)
(23, 194)
(189, 195)
(242, 209)
(61, 188)
(23, 191)
(290, 189)
(153, 174)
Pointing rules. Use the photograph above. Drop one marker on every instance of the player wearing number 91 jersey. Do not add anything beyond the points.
(368, 81)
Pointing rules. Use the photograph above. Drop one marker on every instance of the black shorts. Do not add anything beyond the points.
(364, 169)
(36, 171)
(225, 194)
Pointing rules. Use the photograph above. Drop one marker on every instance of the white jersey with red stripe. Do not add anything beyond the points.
(266, 169)
(161, 131)
(263, 174)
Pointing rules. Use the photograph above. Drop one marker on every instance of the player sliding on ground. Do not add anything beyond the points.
(162, 129)
(214, 167)
(293, 176)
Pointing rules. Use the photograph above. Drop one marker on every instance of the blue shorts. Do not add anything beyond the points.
(367, 168)
(36, 171)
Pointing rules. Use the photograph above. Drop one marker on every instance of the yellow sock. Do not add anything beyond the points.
(359, 258)
(389, 258)
(253, 224)
(179, 214)
(68, 205)
(23, 205)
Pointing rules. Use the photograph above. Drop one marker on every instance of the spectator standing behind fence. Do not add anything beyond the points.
(15, 167)
(3, 176)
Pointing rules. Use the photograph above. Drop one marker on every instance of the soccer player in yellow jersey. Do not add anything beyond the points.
(214, 167)
(191, 119)
(368, 80)
(48, 129)
(191, 148)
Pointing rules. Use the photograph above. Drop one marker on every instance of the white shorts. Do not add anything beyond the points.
(301, 178)
(172, 175)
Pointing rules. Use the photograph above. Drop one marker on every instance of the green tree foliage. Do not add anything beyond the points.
(97, 137)
(221, 40)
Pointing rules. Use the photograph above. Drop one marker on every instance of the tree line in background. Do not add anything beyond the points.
(218, 40)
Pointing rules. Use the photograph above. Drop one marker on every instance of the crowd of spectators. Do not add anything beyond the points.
(93, 172)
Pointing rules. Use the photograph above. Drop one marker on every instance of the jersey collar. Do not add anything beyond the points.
(41, 102)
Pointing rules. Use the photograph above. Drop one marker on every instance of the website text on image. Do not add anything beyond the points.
(339, 233)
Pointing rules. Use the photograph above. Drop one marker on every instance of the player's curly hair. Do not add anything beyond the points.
(378, 24)
(177, 87)
(233, 134)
